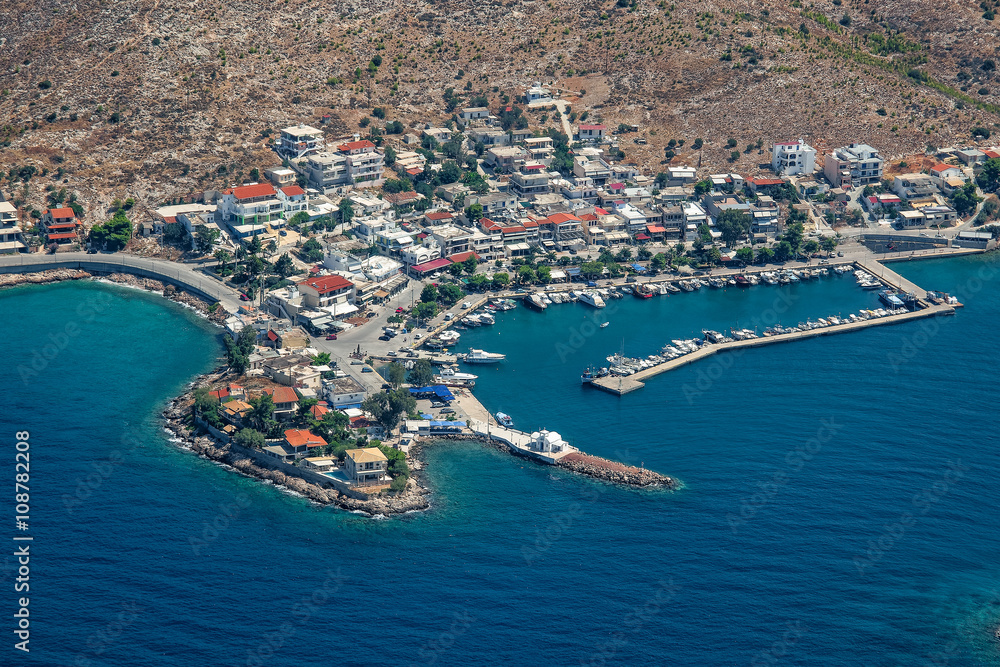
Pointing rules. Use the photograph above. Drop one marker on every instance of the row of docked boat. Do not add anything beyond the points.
(502, 304)
(478, 319)
(867, 281)
(444, 339)
(832, 321)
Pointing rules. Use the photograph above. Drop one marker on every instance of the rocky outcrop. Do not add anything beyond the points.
(614, 472)
(217, 315)
(41, 277)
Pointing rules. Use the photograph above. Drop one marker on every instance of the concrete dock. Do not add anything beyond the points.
(623, 385)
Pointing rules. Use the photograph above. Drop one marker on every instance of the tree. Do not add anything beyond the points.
(305, 407)
(450, 172)
(544, 274)
(783, 251)
(250, 438)
(644, 253)
(312, 251)
(765, 255)
(745, 255)
(333, 424)
(793, 236)
(659, 261)
(425, 311)
(591, 269)
(450, 294)
(387, 407)
(321, 359)
(346, 210)
(470, 264)
(829, 244)
(501, 280)
(223, 258)
(115, 233)
(238, 351)
(989, 178)
(429, 293)
(965, 198)
(525, 274)
(701, 188)
(474, 212)
(733, 225)
(479, 282)
(284, 267)
(421, 374)
(396, 373)
(810, 246)
(262, 414)
(714, 255)
(623, 255)
(455, 269)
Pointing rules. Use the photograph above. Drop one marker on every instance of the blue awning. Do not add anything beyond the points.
(639, 267)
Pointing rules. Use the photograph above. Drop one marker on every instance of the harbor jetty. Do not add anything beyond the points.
(925, 307)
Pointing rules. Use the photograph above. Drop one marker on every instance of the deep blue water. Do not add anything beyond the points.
(796, 459)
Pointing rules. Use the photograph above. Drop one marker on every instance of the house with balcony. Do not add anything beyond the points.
(531, 179)
(474, 113)
(285, 400)
(299, 140)
(592, 133)
(280, 176)
(451, 239)
(940, 216)
(325, 291)
(366, 467)
(508, 158)
(914, 186)
(11, 240)
(594, 169)
(681, 176)
(60, 226)
(947, 177)
(249, 208)
(793, 157)
(853, 166)
(393, 241)
(364, 163)
(420, 254)
(494, 204)
(293, 201)
(694, 216)
(537, 94)
(489, 136)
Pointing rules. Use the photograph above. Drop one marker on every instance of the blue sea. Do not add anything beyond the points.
(838, 503)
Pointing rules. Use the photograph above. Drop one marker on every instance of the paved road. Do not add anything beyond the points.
(184, 275)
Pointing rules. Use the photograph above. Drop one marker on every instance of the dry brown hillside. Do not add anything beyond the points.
(153, 98)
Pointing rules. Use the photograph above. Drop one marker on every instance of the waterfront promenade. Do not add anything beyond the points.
(185, 276)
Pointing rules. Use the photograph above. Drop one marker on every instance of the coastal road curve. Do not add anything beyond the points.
(180, 275)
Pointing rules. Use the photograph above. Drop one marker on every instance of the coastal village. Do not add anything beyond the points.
(346, 244)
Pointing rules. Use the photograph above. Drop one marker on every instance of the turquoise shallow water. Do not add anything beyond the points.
(839, 500)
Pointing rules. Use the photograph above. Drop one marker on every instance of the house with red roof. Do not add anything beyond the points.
(299, 441)
(248, 209)
(592, 132)
(285, 400)
(60, 226)
(293, 201)
(765, 185)
(326, 291)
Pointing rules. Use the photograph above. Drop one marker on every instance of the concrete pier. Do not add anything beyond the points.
(623, 385)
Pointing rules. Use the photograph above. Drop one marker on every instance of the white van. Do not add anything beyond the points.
(448, 317)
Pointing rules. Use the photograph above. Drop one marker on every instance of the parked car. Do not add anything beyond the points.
(630, 279)
(399, 310)
(448, 411)
(466, 305)
(244, 297)
(383, 337)
(418, 337)
(331, 337)
(386, 385)
(391, 353)
(356, 362)
(366, 369)
(282, 233)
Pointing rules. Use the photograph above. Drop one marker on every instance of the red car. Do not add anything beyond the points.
(332, 337)
(244, 297)
(399, 310)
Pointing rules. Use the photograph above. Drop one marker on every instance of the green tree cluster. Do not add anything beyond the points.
(113, 234)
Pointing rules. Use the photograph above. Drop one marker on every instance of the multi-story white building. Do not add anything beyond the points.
(452, 239)
(10, 232)
(793, 157)
(531, 179)
(300, 140)
(248, 208)
(293, 200)
(852, 166)
(357, 164)
(596, 170)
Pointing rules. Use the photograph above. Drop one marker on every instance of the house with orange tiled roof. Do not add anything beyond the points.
(298, 442)
(293, 201)
(60, 226)
(286, 402)
(248, 209)
(325, 291)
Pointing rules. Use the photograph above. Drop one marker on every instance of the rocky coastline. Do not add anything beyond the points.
(177, 420)
(217, 315)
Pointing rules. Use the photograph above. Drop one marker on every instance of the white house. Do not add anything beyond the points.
(793, 157)
(300, 140)
(249, 208)
(474, 113)
(293, 200)
(536, 94)
(852, 166)
(592, 132)
(10, 231)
